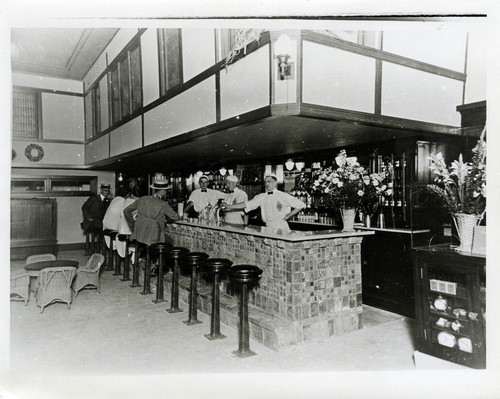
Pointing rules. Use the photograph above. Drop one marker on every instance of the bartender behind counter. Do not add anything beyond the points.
(276, 207)
(234, 196)
(202, 197)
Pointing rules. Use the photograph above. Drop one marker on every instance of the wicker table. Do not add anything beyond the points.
(34, 268)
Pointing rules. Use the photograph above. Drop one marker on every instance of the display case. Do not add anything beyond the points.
(450, 297)
(52, 186)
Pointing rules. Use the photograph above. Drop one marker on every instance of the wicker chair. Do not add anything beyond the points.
(20, 286)
(39, 258)
(89, 274)
(54, 285)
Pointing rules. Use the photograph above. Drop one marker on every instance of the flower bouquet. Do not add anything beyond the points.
(462, 188)
(342, 186)
(375, 189)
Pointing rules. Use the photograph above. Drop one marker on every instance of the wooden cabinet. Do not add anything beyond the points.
(386, 269)
(32, 227)
(450, 297)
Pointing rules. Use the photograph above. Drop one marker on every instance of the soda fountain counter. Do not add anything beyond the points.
(310, 288)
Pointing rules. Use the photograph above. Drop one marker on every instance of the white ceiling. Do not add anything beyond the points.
(58, 52)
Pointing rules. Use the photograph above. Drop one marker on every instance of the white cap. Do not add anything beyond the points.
(203, 177)
(232, 178)
(271, 175)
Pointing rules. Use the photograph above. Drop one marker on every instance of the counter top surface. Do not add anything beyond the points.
(446, 249)
(393, 230)
(290, 235)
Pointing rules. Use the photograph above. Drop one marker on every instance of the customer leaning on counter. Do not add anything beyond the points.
(276, 207)
(234, 196)
(203, 196)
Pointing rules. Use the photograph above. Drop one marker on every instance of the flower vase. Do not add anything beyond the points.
(465, 228)
(368, 220)
(348, 215)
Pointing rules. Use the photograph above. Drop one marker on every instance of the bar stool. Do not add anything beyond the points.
(112, 251)
(135, 266)
(193, 260)
(244, 275)
(108, 253)
(126, 271)
(160, 249)
(147, 274)
(173, 256)
(215, 266)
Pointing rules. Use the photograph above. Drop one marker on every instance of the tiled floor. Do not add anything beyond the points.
(122, 333)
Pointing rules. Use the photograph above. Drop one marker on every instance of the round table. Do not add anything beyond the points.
(34, 268)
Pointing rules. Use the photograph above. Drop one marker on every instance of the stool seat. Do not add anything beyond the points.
(160, 247)
(216, 265)
(244, 274)
(113, 234)
(193, 258)
(107, 232)
(176, 252)
(122, 237)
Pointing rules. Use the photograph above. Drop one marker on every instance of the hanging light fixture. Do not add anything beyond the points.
(223, 171)
(289, 165)
(120, 177)
(299, 165)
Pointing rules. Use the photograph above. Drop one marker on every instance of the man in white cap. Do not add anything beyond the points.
(276, 207)
(234, 196)
(203, 196)
(152, 213)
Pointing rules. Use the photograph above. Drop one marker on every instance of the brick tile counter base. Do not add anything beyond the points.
(310, 290)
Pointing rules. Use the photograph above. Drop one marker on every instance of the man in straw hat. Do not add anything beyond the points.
(276, 206)
(234, 196)
(152, 213)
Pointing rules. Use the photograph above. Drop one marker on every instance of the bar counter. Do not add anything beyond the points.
(311, 285)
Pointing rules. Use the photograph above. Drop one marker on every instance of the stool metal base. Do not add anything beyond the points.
(145, 293)
(134, 285)
(192, 322)
(244, 354)
(158, 300)
(174, 310)
(214, 337)
(125, 279)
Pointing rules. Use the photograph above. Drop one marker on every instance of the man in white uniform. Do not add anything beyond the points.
(234, 196)
(276, 207)
(203, 196)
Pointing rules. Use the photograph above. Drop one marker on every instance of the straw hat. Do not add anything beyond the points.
(160, 184)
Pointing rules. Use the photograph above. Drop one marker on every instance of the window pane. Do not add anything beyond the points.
(136, 78)
(96, 110)
(24, 114)
(89, 115)
(124, 87)
(170, 48)
(115, 95)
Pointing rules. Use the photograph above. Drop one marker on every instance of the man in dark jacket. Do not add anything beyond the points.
(152, 214)
(93, 212)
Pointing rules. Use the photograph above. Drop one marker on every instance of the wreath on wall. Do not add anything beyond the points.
(34, 152)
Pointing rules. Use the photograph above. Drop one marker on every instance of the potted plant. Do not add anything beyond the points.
(462, 188)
